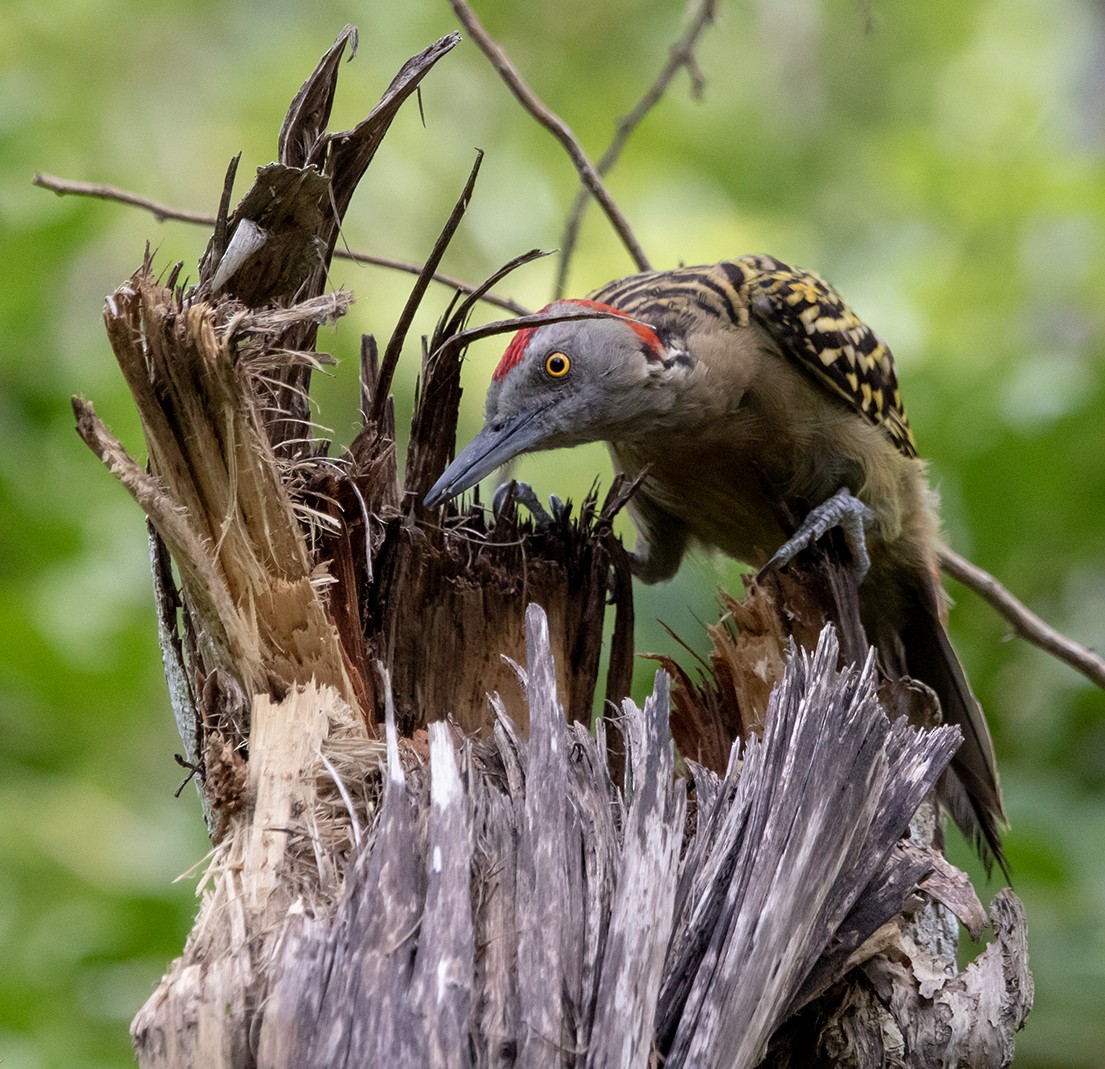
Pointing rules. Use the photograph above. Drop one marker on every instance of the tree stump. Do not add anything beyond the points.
(405, 873)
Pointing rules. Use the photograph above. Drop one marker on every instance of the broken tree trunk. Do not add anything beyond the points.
(405, 873)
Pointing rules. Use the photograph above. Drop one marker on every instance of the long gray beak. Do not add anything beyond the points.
(494, 445)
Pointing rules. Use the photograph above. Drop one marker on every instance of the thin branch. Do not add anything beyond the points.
(411, 267)
(555, 125)
(680, 55)
(163, 212)
(1025, 622)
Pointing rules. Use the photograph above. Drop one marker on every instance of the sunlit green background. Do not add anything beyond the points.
(941, 162)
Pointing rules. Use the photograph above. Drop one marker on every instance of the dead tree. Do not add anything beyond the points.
(405, 873)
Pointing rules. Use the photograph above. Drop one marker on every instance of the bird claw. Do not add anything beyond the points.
(842, 510)
(523, 494)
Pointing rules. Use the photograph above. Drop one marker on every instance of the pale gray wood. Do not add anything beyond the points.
(367, 951)
(644, 893)
(442, 985)
(496, 1015)
(821, 802)
(600, 815)
(542, 864)
(509, 905)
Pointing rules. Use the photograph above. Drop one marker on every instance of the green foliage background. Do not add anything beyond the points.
(942, 163)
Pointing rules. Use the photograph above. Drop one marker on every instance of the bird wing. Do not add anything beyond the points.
(799, 311)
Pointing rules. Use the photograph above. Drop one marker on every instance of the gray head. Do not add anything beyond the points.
(561, 384)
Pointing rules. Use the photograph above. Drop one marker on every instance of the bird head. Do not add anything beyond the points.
(558, 384)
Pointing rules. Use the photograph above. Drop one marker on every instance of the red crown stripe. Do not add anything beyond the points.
(646, 334)
(514, 352)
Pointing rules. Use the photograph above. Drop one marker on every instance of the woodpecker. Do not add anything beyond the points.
(760, 411)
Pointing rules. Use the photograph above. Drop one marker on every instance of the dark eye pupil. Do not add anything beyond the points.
(557, 364)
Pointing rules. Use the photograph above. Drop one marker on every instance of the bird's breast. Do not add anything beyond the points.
(716, 489)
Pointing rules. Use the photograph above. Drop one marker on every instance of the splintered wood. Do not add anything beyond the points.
(487, 881)
(524, 910)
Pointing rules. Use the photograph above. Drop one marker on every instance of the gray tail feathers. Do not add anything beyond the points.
(969, 788)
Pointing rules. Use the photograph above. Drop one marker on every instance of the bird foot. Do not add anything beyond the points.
(524, 495)
(841, 510)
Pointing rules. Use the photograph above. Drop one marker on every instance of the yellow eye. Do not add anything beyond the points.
(557, 365)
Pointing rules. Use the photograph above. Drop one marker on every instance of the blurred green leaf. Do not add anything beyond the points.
(941, 163)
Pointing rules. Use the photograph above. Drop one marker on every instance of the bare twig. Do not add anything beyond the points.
(413, 268)
(161, 212)
(680, 55)
(555, 125)
(164, 212)
(1025, 622)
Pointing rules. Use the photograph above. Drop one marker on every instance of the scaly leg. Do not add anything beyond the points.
(841, 510)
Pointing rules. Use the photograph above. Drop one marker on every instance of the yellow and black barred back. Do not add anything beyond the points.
(800, 311)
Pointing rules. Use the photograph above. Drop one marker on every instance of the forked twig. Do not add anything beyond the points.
(680, 55)
(164, 212)
(1025, 622)
(555, 125)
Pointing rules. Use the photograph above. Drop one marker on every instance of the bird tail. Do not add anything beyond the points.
(969, 789)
